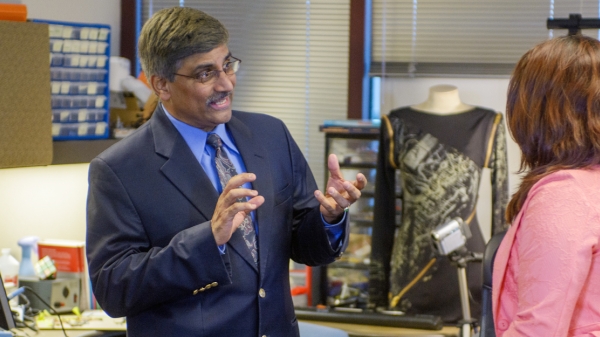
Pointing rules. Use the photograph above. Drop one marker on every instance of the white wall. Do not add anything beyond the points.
(44, 201)
(107, 12)
(489, 93)
(49, 202)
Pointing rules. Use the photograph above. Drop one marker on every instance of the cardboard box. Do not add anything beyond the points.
(124, 108)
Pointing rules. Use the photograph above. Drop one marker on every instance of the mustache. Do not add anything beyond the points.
(218, 96)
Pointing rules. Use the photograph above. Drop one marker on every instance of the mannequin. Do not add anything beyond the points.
(430, 159)
(443, 99)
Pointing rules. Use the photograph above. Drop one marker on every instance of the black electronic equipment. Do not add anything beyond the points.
(7, 321)
(363, 316)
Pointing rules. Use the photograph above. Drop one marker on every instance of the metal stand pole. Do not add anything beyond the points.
(466, 328)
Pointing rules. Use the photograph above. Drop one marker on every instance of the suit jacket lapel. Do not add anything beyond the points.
(181, 167)
(256, 160)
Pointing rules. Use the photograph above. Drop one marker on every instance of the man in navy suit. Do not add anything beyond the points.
(163, 243)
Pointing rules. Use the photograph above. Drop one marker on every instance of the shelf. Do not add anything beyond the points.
(78, 151)
(358, 166)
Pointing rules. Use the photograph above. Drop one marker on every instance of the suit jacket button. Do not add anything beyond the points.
(262, 293)
(201, 289)
(214, 284)
(208, 286)
(196, 292)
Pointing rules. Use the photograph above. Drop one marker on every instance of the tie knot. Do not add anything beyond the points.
(214, 140)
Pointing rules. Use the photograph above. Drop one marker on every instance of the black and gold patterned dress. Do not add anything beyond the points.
(437, 161)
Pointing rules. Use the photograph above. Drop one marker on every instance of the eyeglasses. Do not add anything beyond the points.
(230, 67)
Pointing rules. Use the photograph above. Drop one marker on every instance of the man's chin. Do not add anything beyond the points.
(222, 116)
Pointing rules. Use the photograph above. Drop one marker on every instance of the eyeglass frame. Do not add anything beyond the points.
(214, 73)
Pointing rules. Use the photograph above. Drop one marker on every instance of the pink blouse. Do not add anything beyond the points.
(546, 278)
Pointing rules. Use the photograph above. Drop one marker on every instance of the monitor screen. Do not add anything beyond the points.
(7, 321)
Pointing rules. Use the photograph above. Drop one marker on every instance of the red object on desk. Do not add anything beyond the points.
(13, 12)
(67, 256)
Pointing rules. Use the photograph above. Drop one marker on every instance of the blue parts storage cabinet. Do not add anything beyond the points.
(79, 69)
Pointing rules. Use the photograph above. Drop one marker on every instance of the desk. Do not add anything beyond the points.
(94, 320)
(354, 330)
(98, 320)
(70, 333)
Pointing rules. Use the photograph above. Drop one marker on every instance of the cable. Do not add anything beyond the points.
(50, 307)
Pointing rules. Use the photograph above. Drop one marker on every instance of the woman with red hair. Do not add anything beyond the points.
(546, 279)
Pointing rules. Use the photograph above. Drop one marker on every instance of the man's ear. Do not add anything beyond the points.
(161, 87)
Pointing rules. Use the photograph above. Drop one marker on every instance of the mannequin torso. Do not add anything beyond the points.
(443, 100)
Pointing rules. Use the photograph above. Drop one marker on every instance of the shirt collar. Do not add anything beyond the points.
(196, 138)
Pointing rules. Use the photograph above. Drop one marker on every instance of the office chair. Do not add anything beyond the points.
(487, 316)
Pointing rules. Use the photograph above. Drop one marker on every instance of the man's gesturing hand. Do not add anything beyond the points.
(340, 193)
(229, 213)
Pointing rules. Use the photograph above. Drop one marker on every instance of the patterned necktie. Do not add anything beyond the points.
(226, 170)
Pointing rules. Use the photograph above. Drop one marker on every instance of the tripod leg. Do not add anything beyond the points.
(464, 293)
(466, 328)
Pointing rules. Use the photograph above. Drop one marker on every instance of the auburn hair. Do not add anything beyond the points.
(553, 110)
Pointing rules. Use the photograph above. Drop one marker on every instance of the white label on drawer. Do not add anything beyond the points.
(65, 87)
(101, 61)
(64, 115)
(56, 87)
(57, 46)
(100, 128)
(93, 34)
(83, 61)
(82, 130)
(67, 32)
(82, 115)
(84, 47)
(55, 30)
(102, 47)
(103, 34)
(100, 101)
(92, 61)
(55, 129)
(93, 48)
(84, 33)
(75, 61)
(75, 45)
(92, 88)
(67, 46)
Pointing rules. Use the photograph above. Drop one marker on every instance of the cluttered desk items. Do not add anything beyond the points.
(96, 320)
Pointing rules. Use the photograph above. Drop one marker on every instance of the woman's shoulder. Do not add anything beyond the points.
(567, 179)
(573, 186)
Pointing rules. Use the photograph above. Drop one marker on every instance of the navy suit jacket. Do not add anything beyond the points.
(152, 256)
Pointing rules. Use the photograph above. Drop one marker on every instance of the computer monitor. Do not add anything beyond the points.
(7, 321)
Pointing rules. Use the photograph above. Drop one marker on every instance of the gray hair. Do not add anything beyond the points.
(172, 34)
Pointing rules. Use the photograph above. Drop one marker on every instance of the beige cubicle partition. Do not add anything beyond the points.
(25, 106)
